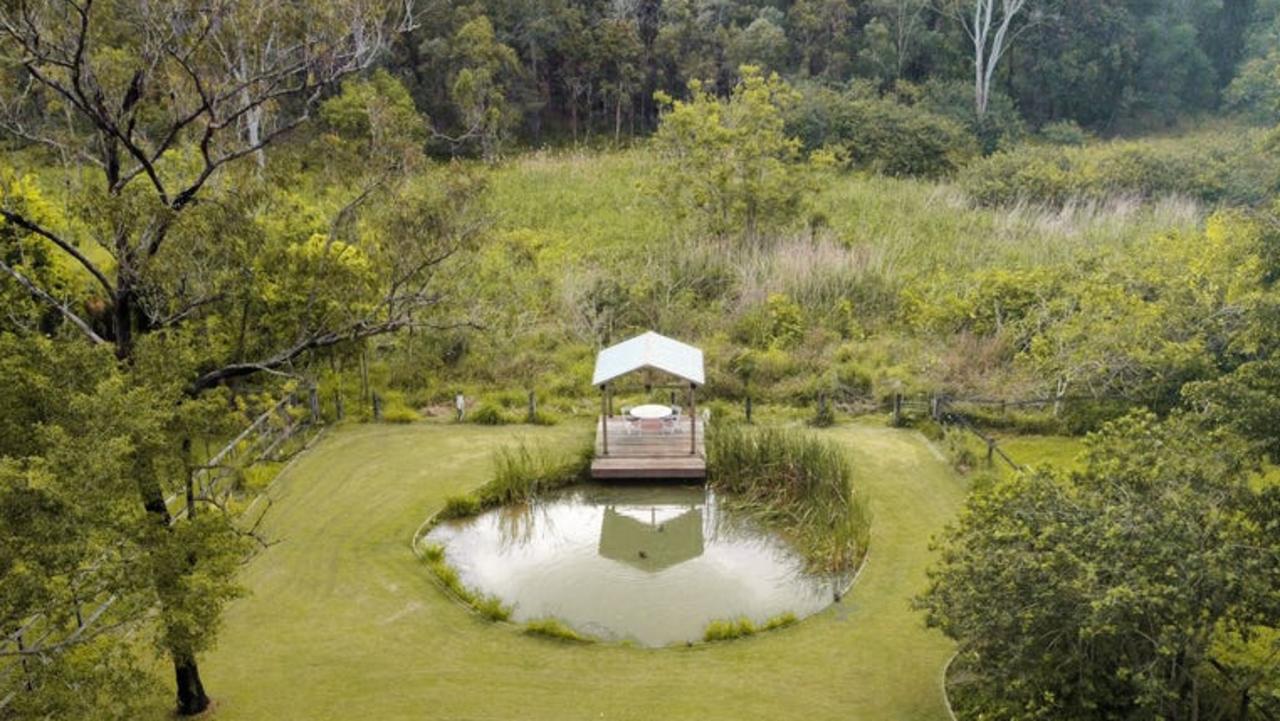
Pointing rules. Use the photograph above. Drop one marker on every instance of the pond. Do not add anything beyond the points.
(652, 564)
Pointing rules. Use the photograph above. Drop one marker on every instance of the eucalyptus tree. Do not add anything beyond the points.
(179, 255)
(991, 26)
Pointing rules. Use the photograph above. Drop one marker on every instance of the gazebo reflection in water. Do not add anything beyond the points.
(655, 536)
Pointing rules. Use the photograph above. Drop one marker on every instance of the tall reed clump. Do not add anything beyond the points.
(796, 483)
(520, 473)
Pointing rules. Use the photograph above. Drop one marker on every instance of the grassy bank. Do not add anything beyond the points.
(342, 621)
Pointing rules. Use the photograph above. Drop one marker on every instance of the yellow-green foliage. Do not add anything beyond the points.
(729, 629)
(491, 607)
(553, 628)
(432, 552)
(782, 620)
(460, 507)
(1211, 166)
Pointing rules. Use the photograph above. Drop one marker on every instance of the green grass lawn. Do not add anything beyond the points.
(342, 622)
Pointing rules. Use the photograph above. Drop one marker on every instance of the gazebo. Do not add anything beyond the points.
(651, 441)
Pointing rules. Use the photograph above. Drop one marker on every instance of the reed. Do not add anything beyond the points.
(796, 483)
(523, 471)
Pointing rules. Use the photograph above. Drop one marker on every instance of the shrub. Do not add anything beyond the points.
(882, 134)
(400, 414)
(728, 630)
(1064, 132)
(795, 482)
(489, 414)
(959, 448)
(1210, 167)
(553, 628)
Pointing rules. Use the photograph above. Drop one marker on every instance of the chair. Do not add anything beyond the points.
(674, 419)
(630, 423)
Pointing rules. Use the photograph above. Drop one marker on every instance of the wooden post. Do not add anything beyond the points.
(693, 421)
(748, 409)
(337, 403)
(897, 409)
(991, 452)
(313, 396)
(377, 406)
(533, 406)
(604, 420)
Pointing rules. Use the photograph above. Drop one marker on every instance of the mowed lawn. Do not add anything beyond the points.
(342, 622)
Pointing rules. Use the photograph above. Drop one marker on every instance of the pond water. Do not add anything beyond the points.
(653, 564)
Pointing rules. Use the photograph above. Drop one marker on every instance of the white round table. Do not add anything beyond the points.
(651, 412)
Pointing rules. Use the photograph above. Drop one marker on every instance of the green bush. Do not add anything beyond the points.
(400, 414)
(553, 628)
(1212, 167)
(1064, 132)
(882, 134)
(489, 414)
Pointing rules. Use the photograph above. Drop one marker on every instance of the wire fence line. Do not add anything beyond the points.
(40, 638)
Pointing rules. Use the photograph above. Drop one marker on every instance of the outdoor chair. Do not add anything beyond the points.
(630, 423)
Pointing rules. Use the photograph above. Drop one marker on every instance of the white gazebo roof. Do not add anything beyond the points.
(649, 350)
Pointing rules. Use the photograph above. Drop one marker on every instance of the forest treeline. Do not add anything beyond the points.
(543, 71)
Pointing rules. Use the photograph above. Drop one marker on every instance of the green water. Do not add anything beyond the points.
(648, 563)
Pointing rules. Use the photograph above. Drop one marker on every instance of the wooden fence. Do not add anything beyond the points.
(40, 638)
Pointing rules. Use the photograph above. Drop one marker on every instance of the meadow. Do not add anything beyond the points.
(342, 620)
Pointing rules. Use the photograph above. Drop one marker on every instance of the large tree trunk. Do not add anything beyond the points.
(191, 696)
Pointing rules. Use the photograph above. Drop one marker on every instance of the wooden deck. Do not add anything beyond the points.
(648, 451)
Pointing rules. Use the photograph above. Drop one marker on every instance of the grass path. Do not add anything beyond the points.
(343, 623)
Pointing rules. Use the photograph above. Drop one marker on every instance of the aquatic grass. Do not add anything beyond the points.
(432, 552)
(448, 577)
(553, 628)
(523, 471)
(460, 507)
(491, 607)
(727, 630)
(796, 483)
(782, 620)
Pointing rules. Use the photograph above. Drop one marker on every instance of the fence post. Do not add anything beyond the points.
(897, 409)
(377, 406)
(313, 399)
(748, 409)
(991, 452)
(933, 407)
(533, 406)
(337, 403)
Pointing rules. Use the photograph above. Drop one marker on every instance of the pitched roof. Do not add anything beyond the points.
(649, 350)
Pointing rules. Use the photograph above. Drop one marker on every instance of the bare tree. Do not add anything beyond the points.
(988, 24)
